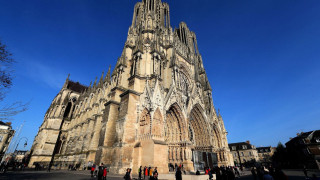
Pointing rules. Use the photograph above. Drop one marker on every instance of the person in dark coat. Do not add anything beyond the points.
(210, 175)
(127, 176)
(140, 171)
(198, 172)
(178, 174)
(155, 171)
(100, 172)
(279, 175)
(230, 174)
(253, 172)
(154, 176)
(305, 171)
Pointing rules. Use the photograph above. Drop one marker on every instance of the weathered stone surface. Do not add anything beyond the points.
(154, 109)
(6, 135)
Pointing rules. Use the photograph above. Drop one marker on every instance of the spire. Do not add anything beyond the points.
(90, 84)
(66, 82)
(101, 80)
(108, 78)
(219, 115)
(95, 82)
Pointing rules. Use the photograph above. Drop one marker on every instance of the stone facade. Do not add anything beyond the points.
(244, 153)
(265, 154)
(155, 108)
(6, 135)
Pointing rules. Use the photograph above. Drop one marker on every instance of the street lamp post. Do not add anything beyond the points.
(25, 144)
(15, 150)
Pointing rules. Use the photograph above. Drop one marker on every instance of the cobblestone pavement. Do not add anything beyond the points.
(85, 175)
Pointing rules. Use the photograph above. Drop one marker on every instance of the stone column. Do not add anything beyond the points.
(111, 111)
(95, 139)
(187, 163)
(85, 136)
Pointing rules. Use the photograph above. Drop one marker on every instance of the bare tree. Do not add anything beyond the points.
(5, 70)
(10, 109)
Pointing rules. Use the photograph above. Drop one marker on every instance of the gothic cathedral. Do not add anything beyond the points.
(155, 108)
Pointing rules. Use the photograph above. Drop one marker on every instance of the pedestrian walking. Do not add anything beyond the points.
(237, 172)
(151, 172)
(104, 173)
(198, 172)
(100, 172)
(140, 171)
(155, 176)
(92, 169)
(128, 175)
(253, 172)
(279, 175)
(267, 175)
(145, 172)
(178, 174)
(155, 170)
(305, 171)
(210, 175)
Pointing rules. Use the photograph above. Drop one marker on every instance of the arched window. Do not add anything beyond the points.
(67, 111)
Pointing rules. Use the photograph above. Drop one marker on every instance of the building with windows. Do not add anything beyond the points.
(155, 108)
(304, 150)
(265, 154)
(244, 153)
(20, 156)
(6, 135)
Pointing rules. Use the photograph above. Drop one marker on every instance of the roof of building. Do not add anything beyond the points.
(76, 86)
(264, 149)
(241, 146)
(308, 136)
(4, 124)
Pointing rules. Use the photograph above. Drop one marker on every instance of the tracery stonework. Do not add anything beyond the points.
(155, 108)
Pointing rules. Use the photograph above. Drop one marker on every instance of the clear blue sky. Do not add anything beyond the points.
(262, 57)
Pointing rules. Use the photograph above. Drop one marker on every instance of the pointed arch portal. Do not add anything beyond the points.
(191, 134)
(201, 139)
(175, 135)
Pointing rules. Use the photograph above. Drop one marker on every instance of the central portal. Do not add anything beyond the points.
(189, 140)
(201, 160)
(176, 136)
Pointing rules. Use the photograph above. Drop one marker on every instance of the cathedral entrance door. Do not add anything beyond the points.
(176, 135)
(201, 139)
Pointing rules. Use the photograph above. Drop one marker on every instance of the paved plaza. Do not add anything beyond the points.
(85, 175)
(43, 175)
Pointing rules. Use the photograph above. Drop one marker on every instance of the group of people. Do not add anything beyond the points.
(222, 173)
(148, 171)
(100, 172)
(15, 166)
(267, 173)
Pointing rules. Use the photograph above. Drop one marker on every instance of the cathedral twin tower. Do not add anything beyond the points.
(155, 108)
